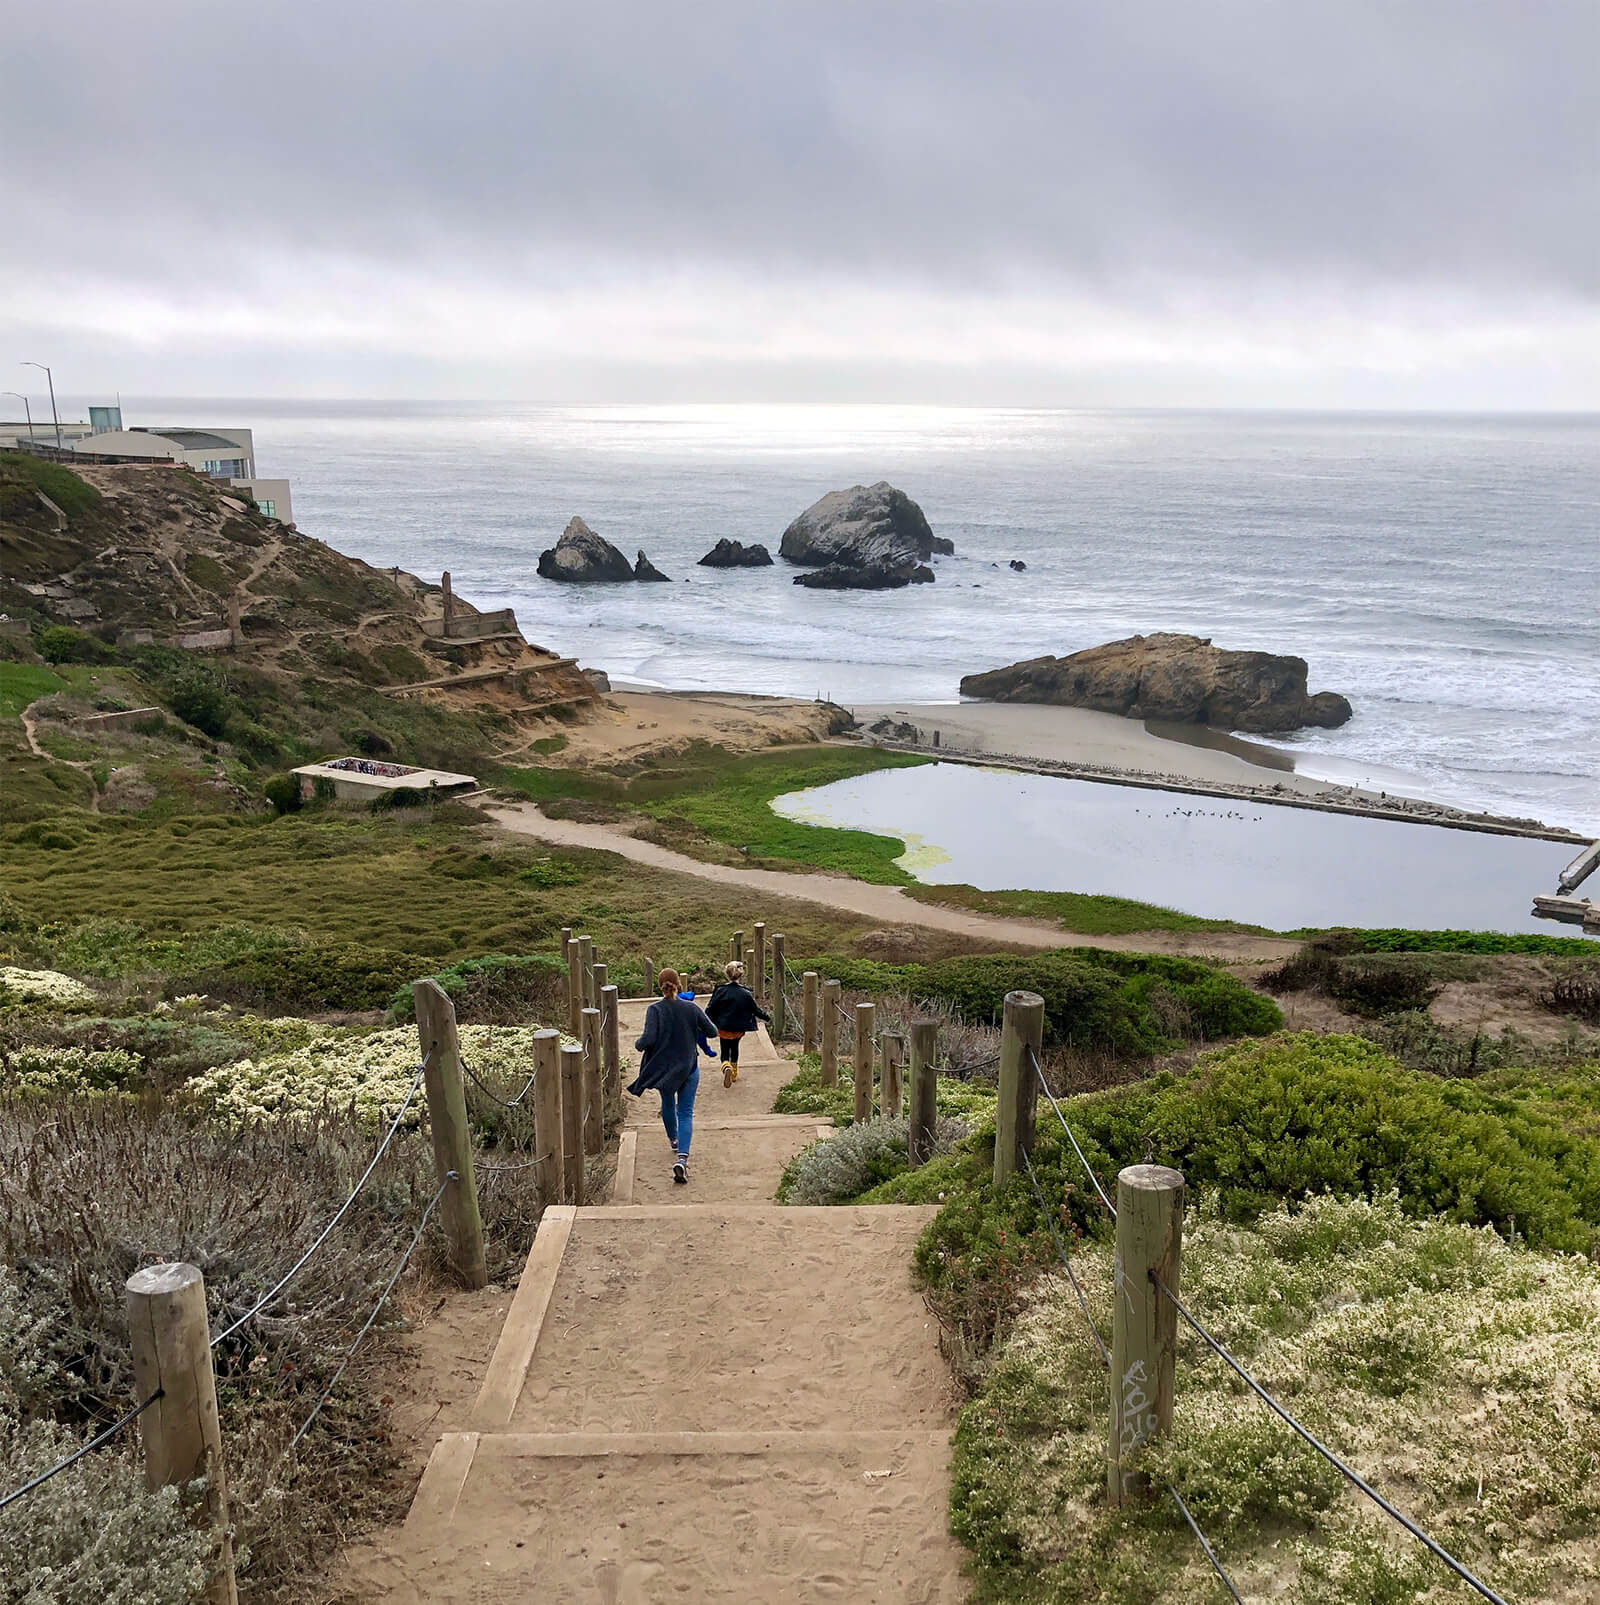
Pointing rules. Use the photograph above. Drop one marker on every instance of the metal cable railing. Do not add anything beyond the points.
(383, 1298)
(327, 1231)
(85, 1449)
(1348, 1472)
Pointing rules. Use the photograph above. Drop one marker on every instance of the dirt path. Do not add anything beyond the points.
(697, 1395)
(30, 726)
(886, 905)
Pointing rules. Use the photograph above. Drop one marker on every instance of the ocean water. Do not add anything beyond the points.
(1220, 858)
(1443, 572)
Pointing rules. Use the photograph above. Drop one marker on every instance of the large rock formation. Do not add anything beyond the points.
(735, 554)
(644, 569)
(1178, 677)
(867, 577)
(580, 554)
(865, 525)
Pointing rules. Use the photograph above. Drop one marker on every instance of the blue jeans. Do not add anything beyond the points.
(677, 1113)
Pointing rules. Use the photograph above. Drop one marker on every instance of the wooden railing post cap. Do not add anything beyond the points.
(155, 1281)
(546, 1031)
(1025, 1000)
(1151, 1179)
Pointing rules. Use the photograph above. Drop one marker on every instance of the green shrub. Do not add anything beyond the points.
(497, 989)
(58, 643)
(1133, 1005)
(1398, 941)
(1300, 1114)
(200, 697)
(309, 979)
(283, 792)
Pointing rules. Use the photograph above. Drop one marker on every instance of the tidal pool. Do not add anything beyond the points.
(1217, 857)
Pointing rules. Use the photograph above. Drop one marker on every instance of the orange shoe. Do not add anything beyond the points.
(729, 1075)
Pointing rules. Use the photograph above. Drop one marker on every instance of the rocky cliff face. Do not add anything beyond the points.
(1183, 678)
(580, 554)
(867, 525)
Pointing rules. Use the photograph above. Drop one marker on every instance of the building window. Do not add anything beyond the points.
(270, 508)
(225, 467)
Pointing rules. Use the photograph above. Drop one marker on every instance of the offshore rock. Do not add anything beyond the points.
(868, 577)
(1182, 678)
(862, 526)
(644, 569)
(580, 554)
(735, 554)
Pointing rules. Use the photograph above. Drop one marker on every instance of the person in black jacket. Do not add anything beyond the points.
(733, 1010)
(669, 1063)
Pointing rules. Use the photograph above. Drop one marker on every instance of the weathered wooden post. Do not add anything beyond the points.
(832, 991)
(760, 982)
(808, 1012)
(585, 973)
(171, 1339)
(866, 1052)
(894, 1058)
(574, 986)
(1022, 1027)
(547, 1115)
(780, 999)
(452, 1136)
(750, 971)
(594, 1129)
(736, 951)
(566, 936)
(611, 1040)
(602, 979)
(650, 973)
(1144, 1321)
(572, 1122)
(924, 1090)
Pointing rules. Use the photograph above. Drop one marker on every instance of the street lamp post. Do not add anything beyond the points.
(25, 407)
(53, 413)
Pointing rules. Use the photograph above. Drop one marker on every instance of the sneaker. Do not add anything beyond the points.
(735, 1072)
(680, 1172)
(729, 1075)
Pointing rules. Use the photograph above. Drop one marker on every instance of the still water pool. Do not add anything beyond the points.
(1221, 858)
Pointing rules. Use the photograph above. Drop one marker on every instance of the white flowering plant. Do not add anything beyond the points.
(369, 1074)
(42, 988)
(71, 1069)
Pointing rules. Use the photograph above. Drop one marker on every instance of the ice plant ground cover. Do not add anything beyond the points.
(1458, 1372)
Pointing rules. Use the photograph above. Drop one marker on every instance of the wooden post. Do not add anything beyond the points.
(894, 1057)
(585, 974)
(452, 1137)
(574, 986)
(736, 951)
(610, 1041)
(866, 1052)
(650, 973)
(566, 936)
(831, 993)
(602, 979)
(780, 1000)
(594, 1129)
(924, 1089)
(750, 971)
(547, 1115)
(1144, 1322)
(808, 1012)
(572, 1122)
(1022, 1026)
(171, 1338)
(760, 983)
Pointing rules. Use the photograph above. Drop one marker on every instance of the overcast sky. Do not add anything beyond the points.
(1163, 202)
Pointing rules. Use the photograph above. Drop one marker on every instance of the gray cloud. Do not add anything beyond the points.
(1191, 163)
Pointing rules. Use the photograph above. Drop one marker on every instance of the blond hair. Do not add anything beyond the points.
(733, 970)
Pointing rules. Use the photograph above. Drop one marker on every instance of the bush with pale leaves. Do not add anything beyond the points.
(45, 988)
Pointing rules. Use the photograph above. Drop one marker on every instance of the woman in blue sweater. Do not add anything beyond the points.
(668, 1061)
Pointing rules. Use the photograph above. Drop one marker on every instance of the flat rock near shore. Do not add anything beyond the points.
(1181, 678)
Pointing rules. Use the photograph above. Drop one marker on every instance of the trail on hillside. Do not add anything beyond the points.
(887, 905)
